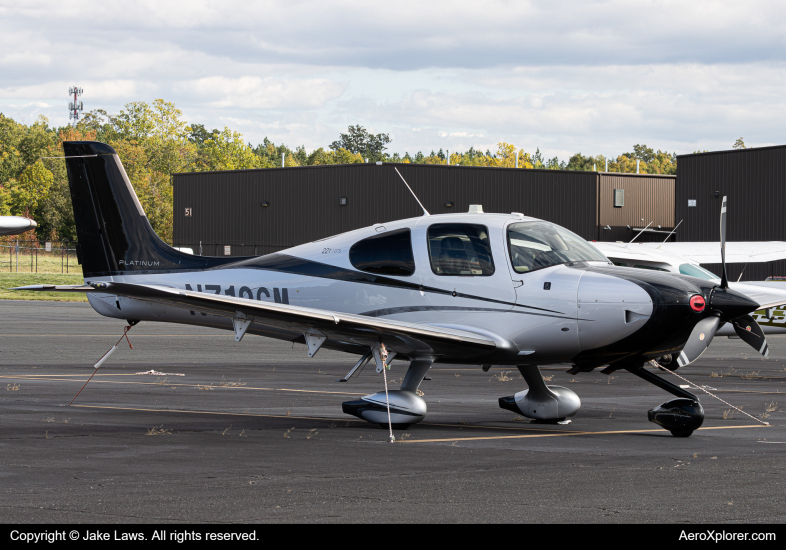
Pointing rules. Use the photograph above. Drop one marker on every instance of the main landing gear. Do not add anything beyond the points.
(541, 402)
(406, 406)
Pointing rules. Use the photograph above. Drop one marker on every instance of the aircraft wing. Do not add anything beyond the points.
(402, 337)
(738, 252)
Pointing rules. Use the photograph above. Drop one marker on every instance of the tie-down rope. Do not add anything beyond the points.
(702, 388)
(383, 354)
(104, 357)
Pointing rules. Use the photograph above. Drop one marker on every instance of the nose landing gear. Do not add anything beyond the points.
(680, 416)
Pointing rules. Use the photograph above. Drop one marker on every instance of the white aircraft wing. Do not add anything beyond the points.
(358, 330)
(738, 252)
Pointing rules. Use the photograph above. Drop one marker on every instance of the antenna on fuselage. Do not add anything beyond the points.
(672, 231)
(425, 212)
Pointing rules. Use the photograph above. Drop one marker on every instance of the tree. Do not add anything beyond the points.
(228, 151)
(739, 144)
(357, 140)
(641, 152)
(31, 189)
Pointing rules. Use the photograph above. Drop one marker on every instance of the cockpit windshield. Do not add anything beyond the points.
(535, 245)
(700, 272)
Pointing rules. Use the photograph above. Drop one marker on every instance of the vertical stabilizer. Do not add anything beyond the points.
(115, 237)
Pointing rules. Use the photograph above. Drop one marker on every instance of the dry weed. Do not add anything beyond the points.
(225, 431)
(695, 455)
(161, 381)
(502, 377)
(311, 433)
(610, 379)
(242, 433)
(518, 419)
(204, 388)
(751, 375)
(402, 437)
(50, 419)
(158, 430)
(612, 412)
(457, 375)
(229, 384)
(420, 393)
(286, 433)
(728, 414)
(770, 407)
(548, 378)
(715, 375)
(12, 387)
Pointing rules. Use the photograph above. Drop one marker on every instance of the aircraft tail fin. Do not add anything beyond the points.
(115, 236)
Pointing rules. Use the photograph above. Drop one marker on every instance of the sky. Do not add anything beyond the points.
(562, 76)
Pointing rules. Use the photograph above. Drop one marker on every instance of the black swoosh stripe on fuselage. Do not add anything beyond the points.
(293, 265)
(411, 309)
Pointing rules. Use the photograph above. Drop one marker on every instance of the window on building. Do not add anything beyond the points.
(460, 249)
(386, 254)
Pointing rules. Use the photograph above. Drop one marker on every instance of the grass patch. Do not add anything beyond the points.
(10, 280)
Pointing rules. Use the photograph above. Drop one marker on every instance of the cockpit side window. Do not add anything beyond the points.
(461, 249)
(386, 254)
(537, 245)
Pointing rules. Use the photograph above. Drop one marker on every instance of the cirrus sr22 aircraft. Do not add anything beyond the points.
(472, 288)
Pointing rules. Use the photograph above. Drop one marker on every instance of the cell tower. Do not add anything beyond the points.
(74, 106)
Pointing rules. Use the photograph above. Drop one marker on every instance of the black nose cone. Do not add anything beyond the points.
(731, 304)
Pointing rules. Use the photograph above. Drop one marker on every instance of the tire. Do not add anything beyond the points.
(681, 433)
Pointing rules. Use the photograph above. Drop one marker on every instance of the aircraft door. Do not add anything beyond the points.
(546, 300)
(463, 268)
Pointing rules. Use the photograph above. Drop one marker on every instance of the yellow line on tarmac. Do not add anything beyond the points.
(305, 418)
(220, 413)
(170, 384)
(563, 434)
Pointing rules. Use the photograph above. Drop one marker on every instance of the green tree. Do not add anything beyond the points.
(228, 151)
(359, 140)
(739, 144)
(31, 189)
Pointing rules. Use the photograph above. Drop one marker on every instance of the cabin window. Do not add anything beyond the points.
(460, 249)
(386, 254)
(696, 271)
(536, 245)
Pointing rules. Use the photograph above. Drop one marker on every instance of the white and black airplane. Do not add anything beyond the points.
(472, 288)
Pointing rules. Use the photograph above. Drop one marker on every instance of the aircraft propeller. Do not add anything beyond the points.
(725, 306)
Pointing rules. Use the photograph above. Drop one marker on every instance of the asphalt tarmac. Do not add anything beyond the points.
(253, 432)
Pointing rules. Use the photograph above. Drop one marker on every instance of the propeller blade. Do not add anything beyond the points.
(724, 277)
(751, 333)
(699, 340)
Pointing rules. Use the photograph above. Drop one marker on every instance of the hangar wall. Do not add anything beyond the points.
(754, 180)
(303, 202)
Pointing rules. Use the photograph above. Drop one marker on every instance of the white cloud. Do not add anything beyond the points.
(564, 76)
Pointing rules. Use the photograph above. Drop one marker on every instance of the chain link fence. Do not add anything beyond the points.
(36, 257)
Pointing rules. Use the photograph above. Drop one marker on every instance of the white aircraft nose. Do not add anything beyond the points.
(610, 309)
(14, 225)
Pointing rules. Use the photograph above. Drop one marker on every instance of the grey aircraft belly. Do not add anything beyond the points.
(471, 288)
